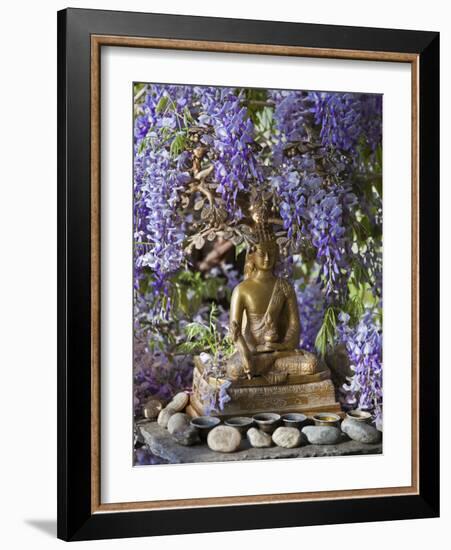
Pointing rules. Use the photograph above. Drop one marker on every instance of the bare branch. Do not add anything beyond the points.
(194, 187)
(216, 256)
(203, 174)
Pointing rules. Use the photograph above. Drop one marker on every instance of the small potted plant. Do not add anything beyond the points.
(214, 348)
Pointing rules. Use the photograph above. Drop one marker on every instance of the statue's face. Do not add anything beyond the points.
(265, 258)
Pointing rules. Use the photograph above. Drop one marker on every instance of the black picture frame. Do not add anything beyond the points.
(76, 518)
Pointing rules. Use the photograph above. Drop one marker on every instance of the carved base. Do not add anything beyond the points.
(315, 393)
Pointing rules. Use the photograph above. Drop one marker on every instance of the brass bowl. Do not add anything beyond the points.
(205, 424)
(359, 416)
(294, 420)
(326, 419)
(267, 422)
(241, 423)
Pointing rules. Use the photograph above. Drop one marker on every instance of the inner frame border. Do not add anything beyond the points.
(97, 41)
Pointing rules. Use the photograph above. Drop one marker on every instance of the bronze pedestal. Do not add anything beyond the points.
(303, 393)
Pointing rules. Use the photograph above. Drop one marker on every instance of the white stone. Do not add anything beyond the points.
(258, 439)
(164, 416)
(360, 431)
(287, 437)
(178, 422)
(179, 401)
(224, 439)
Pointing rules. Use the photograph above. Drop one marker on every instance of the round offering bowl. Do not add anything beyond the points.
(267, 422)
(359, 416)
(326, 419)
(205, 424)
(241, 423)
(294, 420)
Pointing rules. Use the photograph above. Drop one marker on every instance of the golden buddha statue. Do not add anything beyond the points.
(264, 321)
(267, 372)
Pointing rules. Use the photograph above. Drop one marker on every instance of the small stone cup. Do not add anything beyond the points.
(359, 416)
(205, 424)
(267, 422)
(326, 419)
(241, 423)
(294, 420)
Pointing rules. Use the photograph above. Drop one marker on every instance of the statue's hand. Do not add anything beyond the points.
(234, 331)
(270, 346)
(247, 368)
(273, 346)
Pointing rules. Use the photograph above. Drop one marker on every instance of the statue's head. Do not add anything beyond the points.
(262, 257)
(264, 252)
(265, 256)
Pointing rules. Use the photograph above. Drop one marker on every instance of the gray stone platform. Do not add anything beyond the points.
(161, 443)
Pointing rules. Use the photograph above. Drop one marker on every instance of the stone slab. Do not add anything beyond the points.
(161, 443)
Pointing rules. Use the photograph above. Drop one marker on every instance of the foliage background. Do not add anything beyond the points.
(316, 157)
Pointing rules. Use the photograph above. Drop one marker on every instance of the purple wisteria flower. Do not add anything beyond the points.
(347, 120)
(155, 374)
(313, 207)
(364, 346)
(312, 304)
(214, 399)
(162, 170)
(231, 274)
(235, 163)
(158, 180)
(142, 125)
(326, 214)
(292, 113)
(144, 457)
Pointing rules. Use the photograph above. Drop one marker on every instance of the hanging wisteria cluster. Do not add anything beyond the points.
(364, 346)
(311, 304)
(158, 227)
(202, 155)
(231, 137)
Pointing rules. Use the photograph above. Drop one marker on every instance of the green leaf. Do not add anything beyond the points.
(326, 334)
(239, 248)
(212, 286)
(355, 309)
(178, 144)
(379, 155)
(161, 105)
(189, 347)
(194, 330)
(183, 301)
(378, 185)
(187, 117)
(142, 146)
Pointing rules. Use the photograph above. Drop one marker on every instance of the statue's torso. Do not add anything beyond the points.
(257, 294)
(264, 304)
